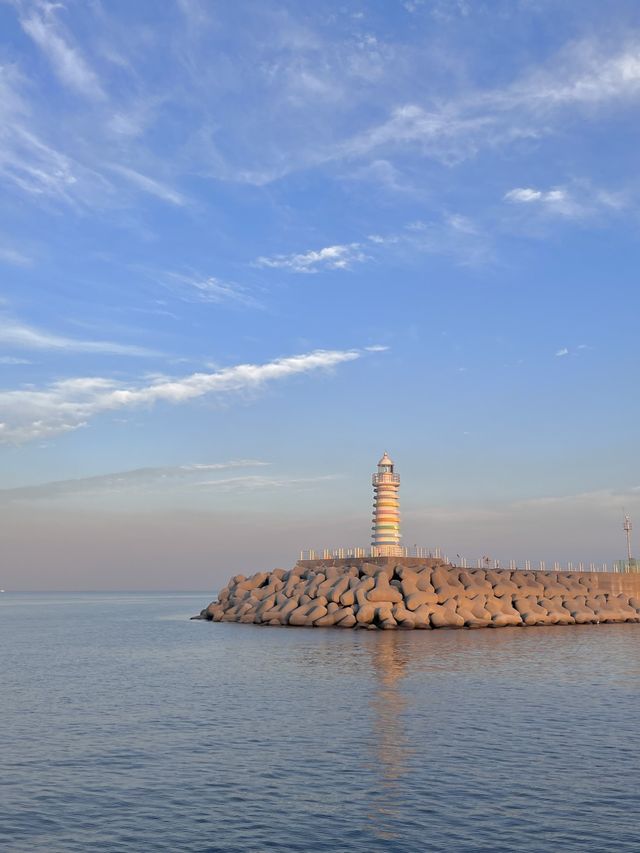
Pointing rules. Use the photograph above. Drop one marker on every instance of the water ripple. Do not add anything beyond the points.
(126, 727)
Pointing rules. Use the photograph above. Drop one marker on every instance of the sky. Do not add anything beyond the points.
(246, 247)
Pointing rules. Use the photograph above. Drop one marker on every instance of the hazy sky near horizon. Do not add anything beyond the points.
(245, 247)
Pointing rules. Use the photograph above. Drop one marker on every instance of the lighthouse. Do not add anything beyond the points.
(385, 541)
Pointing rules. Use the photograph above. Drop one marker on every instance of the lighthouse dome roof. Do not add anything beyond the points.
(386, 459)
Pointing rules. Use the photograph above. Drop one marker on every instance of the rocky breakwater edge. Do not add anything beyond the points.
(436, 596)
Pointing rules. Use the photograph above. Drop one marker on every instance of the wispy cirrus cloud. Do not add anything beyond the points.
(19, 335)
(295, 61)
(199, 288)
(579, 201)
(13, 360)
(177, 484)
(76, 170)
(602, 500)
(338, 257)
(42, 25)
(137, 479)
(454, 235)
(254, 482)
(527, 195)
(62, 406)
(573, 351)
(581, 526)
(13, 257)
(448, 134)
(581, 76)
(149, 185)
(451, 234)
(584, 77)
(27, 161)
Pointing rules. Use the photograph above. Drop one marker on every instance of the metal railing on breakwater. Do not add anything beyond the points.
(484, 562)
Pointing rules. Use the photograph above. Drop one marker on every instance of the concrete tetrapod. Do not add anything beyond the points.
(415, 593)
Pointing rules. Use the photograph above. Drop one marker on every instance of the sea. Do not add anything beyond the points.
(124, 726)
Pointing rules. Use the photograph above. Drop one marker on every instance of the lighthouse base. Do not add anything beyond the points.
(388, 551)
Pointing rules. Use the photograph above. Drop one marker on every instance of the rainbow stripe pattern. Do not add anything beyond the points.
(385, 540)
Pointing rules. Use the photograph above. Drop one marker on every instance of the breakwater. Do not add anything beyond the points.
(424, 593)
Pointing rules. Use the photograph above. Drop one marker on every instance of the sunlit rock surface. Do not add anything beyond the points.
(406, 593)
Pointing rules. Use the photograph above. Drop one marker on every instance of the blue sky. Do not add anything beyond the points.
(246, 247)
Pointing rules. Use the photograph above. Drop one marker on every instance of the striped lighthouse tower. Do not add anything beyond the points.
(385, 540)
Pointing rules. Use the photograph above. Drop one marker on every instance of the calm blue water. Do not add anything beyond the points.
(126, 727)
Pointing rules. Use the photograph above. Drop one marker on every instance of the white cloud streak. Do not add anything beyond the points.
(255, 482)
(42, 170)
(524, 195)
(587, 78)
(15, 334)
(194, 288)
(66, 60)
(338, 257)
(26, 160)
(600, 501)
(447, 134)
(10, 359)
(149, 185)
(137, 479)
(578, 202)
(451, 234)
(27, 414)
(295, 60)
(13, 257)
(582, 78)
